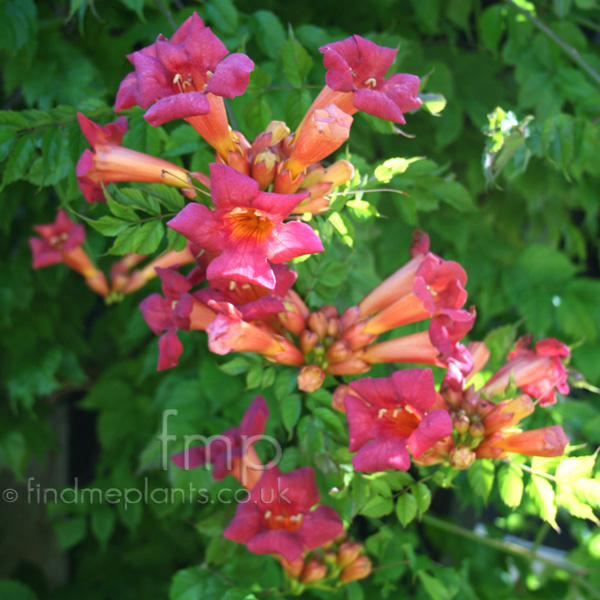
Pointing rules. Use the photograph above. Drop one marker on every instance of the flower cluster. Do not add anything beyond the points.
(240, 291)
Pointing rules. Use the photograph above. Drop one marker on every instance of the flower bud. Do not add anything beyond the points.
(477, 429)
(330, 557)
(292, 318)
(314, 571)
(333, 327)
(329, 311)
(461, 424)
(264, 169)
(338, 351)
(310, 378)
(337, 400)
(308, 339)
(293, 568)
(359, 569)
(462, 457)
(348, 552)
(286, 184)
(317, 321)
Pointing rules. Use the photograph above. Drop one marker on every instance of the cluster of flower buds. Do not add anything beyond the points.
(484, 429)
(334, 564)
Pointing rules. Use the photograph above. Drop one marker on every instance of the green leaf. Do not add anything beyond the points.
(435, 589)
(481, 477)
(269, 33)
(491, 26)
(422, 496)
(19, 161)
(139, 199)
(222, 14)
(254, 377)
(558, 140)
(8, 138)
(296, 62)
(588, 491)
(170, 197)
(17, 24)
(406, 508)
(124, 242)
(51, 150)
(541, 493)
(572, 469)
(136, 5)
(510, 485)
(148, 237)
(377, 507)
(433, 103)
(453, 193)
(103, 523)
(291, 407)
(194, 584)
(393, 166)
(109, 225)
(70, 532)
(236, 366)
(562, 8)
(121, 211)
(567, 498)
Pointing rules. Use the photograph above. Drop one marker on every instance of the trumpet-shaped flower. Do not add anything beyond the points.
(173, 77)
(61, 242)
(232, 451)
(246, 227)
(388, 416)
(110, 162)
(537, 372)
(356, 67)
(278, 518)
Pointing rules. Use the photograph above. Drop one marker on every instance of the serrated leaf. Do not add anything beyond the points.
(296, 62)
(169, 196)
(254, 377)
(588, 491)
(148, 237)
(139, 199)
(8, 138)
(541, 493)
(422, 496)
(434, 587)
(567, 498)
(481, 478)
(377, 507)
(195, 584)
(109, 225)
(175, 241)
(19, 161)
(17, 24)
(574, 468)
(510, 485)
(393, 166)
(51, 148)
(558, 140)
(121, 211)
(406, 508)
(124, 241)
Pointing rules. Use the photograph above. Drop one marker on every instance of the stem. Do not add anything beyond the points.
(574, 54)
(368, 192)
(504, 546)
(532, 471)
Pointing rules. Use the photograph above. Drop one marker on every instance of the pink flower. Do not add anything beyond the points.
(246, 227)
(357, 66)
(389, 415)
(177, 310)
(232, 452)
(537, 372)
(57, 239)
(173, 77)
(61, 242)
(277, 519)
(110, 162)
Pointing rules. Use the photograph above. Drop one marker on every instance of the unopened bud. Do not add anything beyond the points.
(314, 571)
(462, 457)
(349, 317)
(310, 378)
(477, 429)
(329, 311)
(293, 568)
(333, 327)
(264, 169)
(317, 321)
(341, 537)
(338, 351)
(359, 569)
(330, 557)
(337, 400)
(308, 339)
(348, 552)
(461, 424)
(292, 318)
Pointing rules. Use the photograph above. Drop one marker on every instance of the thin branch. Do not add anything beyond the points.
(574, 54)
(504, 546)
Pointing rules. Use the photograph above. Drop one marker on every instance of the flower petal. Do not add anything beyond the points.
(381, 454)
(231, 76)
(290, 240)
(376, 103)
(169, 350)
(277, 541)
(435, 426)
(178, 106)
(320, 526)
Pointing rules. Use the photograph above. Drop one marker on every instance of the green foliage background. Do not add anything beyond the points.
(518, 208)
